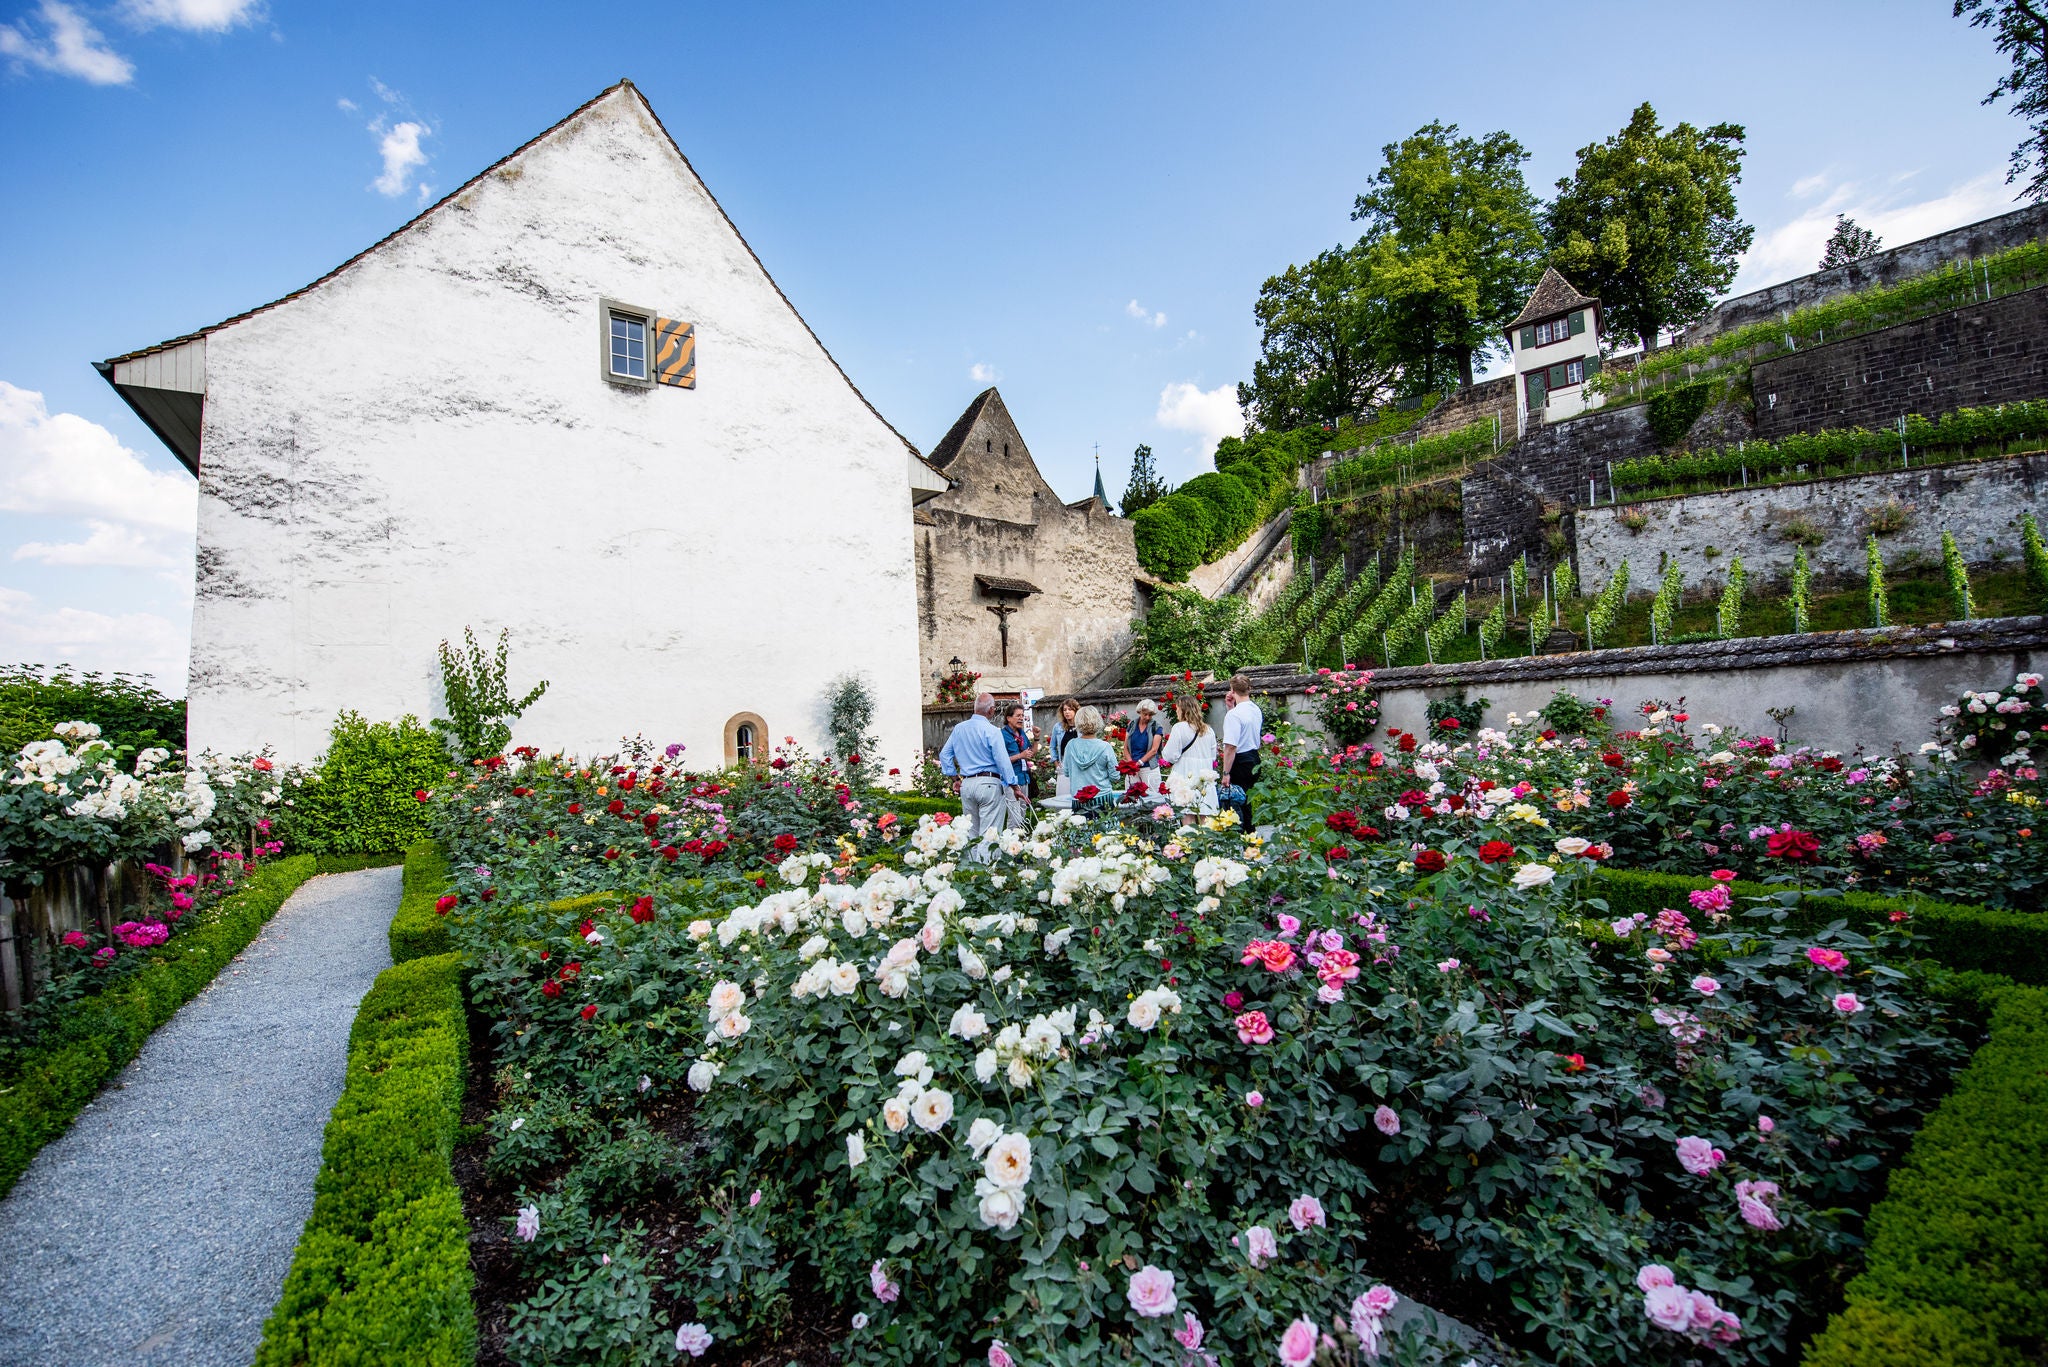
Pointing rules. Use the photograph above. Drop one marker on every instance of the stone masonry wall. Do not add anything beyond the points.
(1487, 399)
(1987, 353)
(1981, 503)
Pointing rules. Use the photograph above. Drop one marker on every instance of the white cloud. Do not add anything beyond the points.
(1211, 414)
(66, 468)
(345, 105)
(140, 642)
(982, 374)
(1793, 249)
(197, 16)
(399, 145)
(1145, 315)
(64, 42)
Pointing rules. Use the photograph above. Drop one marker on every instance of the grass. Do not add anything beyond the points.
(1916, 600)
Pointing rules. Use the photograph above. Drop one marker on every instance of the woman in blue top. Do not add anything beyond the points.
(1089, 761)
(1142, 743)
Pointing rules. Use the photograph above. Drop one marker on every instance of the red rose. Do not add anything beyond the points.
(1430, 861)
(1681, 718)
(575, 809)
(1232, 1000)
(1414, 798)
(643, 910)
(1338, 853)
(669, 852)
(421, 794)
(1449, 723)
(489, 893)
(1127, 766)
(894, 772)
(612, 853)
(615, 806)
(1792, 845)
(1487, 785)
(785, 842)
(712, 849)
(1574, 1063)
(1550, 735)
(1456, 801)
(522, 792)
(1612, 761)
(1617, 799)
(1496, 852)
(444, 905)
(1407, 744)
(626, 783)
(551, 988)
(1087, 793)
(1831, 764)
(853, 759)
(589, 1010)
(778, 763)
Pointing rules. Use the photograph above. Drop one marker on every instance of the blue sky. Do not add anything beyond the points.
(1076, 202)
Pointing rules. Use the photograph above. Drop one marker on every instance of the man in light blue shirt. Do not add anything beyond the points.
(978, 762)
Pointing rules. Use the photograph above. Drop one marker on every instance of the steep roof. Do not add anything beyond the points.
(1553, 295)
(106, 367)
(956, 435)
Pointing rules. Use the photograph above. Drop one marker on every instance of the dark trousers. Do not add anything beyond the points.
(1244, 770)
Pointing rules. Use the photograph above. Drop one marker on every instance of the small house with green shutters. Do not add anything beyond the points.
(1556, 345)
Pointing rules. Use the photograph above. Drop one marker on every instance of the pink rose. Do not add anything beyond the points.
(1290, 926)
(1705, 985)
(885, 1290)
(1232, 1000)
(1654, 1275)
(1697, 1156)
(1389, 1123)
(998, 1355)
(1305, 1211)
(1755, 1201)
(1847, 1003)
(1380, 1300)
(1254, 1028)
(1260, 1245)
(1298, 1344)
(1189, 1335)
(1669, 1307)
(1765, 1124)
(1254, 1099)
(1151, 1292)
(1833, 960)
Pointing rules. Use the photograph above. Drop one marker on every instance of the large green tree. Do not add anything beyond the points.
(1648, 223)
(1322, 347)
(2021, 34)
(1453, 244)
(1145, 487)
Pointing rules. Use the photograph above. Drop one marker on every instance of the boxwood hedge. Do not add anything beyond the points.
(418, 930)
(93, 1038)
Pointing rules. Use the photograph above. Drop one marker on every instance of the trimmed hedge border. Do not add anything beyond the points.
(1957, 1271)
(418, 931)
(914, 805)
(2013, 944)
(349, 863)
(381, 1273)
(94, 1037)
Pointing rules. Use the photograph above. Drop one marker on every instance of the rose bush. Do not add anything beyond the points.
(1164, 1092)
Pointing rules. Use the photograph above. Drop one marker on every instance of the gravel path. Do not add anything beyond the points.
(157, 1232)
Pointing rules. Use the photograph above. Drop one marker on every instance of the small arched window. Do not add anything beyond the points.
(746, 739)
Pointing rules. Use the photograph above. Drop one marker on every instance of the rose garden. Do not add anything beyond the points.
(1597, 1035)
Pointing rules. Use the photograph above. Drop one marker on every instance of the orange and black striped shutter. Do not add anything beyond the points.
(675, 353)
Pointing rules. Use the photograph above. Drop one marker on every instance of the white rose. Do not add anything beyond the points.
(894, 982)
(856, 1150)
(999, 1208)
(946, 901)
(932, 1110)
(1534, 876)
(971, 963)
(1001, 975)
(843, 979)
(702, 1074)
(1572, 846)
(1020, 1072)
(733, 1025)
(700, 930)
(1057, 941)
(913, 1064)
(813, 947)
(1144, 1012)
(982, 1133)
(896, 1114)
(985, 1064)
(726, 998)
(968, 1023)
(853, 922)
(1041, 1037)
(1008, 1164)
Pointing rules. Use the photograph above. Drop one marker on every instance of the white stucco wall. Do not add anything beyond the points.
(1563, 403)
(426, 442)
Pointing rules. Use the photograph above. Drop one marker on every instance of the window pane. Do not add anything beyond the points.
(629, 347)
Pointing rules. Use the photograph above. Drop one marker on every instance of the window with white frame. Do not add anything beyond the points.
(1546, 333)
(627, 334)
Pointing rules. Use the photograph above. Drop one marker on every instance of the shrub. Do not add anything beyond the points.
(419, 930)
(1664, 607)
(2036, 555)
(1728, 618)
(481, 709)
(1185, 630)
(363, 798)
(1961, 605)
(92, 1038)
(127, 708)
(1880, 603)
(382, 1270)
(1172, 536)
(1235, 505)
(1308, 527)
(1802, 576)
(1957, 1271)
(852, 720)
(1346, 705)
(1673, 411)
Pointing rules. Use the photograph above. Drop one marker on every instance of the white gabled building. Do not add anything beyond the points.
(568, 400)
(1556, 345)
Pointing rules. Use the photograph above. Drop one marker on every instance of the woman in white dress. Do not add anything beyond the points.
(1191, 750)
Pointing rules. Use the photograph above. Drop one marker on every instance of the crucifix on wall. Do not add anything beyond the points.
(1008, 593)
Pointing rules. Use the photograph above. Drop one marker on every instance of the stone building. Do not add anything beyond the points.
(1024, 589)
(567, 400)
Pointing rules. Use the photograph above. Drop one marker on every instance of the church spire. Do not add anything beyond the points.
(1100, 496)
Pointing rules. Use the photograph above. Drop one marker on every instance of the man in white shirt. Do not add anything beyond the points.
(1243, 724)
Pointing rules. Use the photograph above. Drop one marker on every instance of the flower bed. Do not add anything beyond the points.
(1165, 1091)
(1957, 1272)
(88, 1039)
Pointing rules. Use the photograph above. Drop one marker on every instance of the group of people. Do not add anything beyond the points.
(995, 769)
